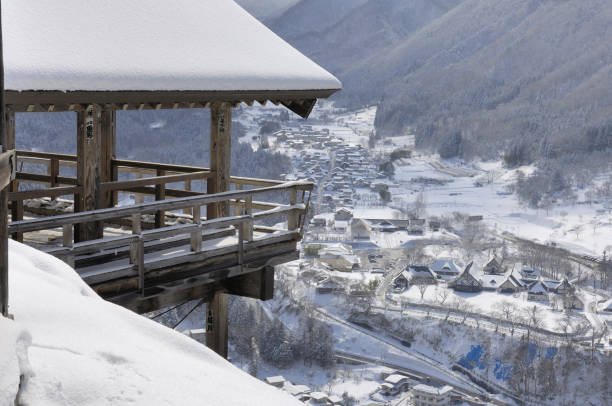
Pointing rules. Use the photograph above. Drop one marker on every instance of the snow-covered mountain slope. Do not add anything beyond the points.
(73, 348)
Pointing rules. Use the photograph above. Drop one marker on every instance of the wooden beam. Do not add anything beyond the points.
(216, 324)
(160, 194)
(108, 128)
(4, 270)
(16, 207)
(256, 285)
(89, 158)
(220, 153)
(203, 286)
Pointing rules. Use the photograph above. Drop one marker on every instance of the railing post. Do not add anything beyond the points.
(240, 246)
(67, 238)
(54, 171)
(138, 197)
(292, 221)
(136, 230)
(187, 188)
(17, 215)
(114, 177)
(140, 260)
(196, 236)
(248, 211)
(160, 194)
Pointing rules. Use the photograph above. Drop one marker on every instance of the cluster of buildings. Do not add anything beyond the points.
(493, 277)
(342, 222)
(303, 393)
(339, 257)
(336, 167)
(394, 384)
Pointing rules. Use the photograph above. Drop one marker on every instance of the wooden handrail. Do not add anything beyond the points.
(154, 180)
(166, 205)
(46, 155)
(155, 166)
(50, 192)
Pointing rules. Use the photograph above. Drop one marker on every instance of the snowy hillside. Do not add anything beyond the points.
(71, 347)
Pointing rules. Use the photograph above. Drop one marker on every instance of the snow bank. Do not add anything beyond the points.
(115, 45)
(72, 347)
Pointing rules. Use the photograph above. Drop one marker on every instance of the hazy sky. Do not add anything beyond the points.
(266, 8)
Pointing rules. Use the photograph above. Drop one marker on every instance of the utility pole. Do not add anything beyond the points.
(3, 194)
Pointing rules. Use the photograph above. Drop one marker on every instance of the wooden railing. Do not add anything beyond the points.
(243, 222)
(152, 179)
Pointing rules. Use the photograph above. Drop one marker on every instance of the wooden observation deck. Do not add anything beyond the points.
(176, 242)
(150, 255)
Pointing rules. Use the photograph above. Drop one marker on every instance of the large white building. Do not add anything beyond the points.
(425, 395)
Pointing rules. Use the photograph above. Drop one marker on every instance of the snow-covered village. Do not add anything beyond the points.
(305, 202)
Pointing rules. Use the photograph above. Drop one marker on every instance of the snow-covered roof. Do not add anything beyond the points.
(430, 389)
(493, 281)
(395, 378)
(420, 271)
(444, 265)
(538, 288)
(272, 380)
(607, 306)
(72, 347)
(318, 396)
(157, 45)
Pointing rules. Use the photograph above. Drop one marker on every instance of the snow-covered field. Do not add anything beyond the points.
(491, 302)
(73, 348)
(580, 227)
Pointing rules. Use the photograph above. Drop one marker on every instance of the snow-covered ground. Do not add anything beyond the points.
(73, 348)
(580, 227)
(491, 302)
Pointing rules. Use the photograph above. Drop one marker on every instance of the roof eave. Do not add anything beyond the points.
(300, 102)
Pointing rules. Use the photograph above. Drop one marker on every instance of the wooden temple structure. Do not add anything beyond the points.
(141, 256)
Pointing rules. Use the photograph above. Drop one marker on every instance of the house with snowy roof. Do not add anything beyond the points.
(511, 284)
(277, 381)
(394, 384)
(445, 268)
(339, 257)
(343, 214)
(493, 267)
(565, 287)
(492, 281)
(538, 292)
(420, 274)
(425, 395)
(467, 281)
(606, 306)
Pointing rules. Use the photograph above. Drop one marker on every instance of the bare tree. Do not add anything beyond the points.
(422, 289)
(442, 296)
(464, 309)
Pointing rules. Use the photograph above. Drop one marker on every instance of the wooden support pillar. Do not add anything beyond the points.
(89, 159)
(108, 128)
(16, 206)
(220, 153)
(216, 324)
(4, 270)
(4, 291)
(160, 194)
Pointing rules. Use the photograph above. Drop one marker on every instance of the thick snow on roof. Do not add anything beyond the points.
(115, 45)
(74, 348)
